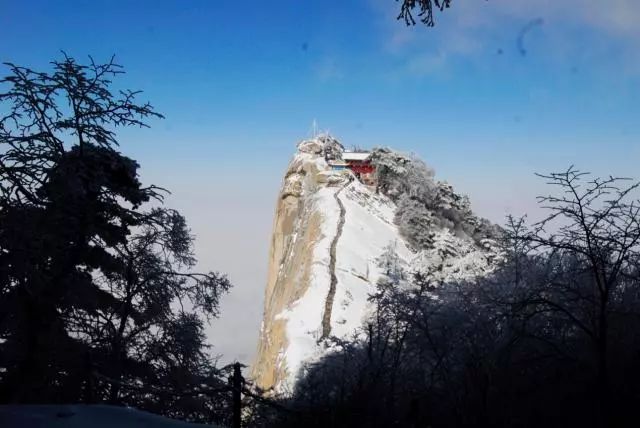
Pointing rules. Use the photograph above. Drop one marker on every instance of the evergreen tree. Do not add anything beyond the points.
(90, 282)
(389, 167)
(415, 222)
(391, 264)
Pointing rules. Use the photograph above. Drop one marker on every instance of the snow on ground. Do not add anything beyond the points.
(367, 231)
(304, 317)
(84, 416)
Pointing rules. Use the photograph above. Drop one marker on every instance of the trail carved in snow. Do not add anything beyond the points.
(328, 304)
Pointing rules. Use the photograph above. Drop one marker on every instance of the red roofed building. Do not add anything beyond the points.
(359, 163)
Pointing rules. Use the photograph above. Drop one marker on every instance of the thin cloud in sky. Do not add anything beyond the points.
(616, 17)
(428, 63)
(473, 29)
(327, 68)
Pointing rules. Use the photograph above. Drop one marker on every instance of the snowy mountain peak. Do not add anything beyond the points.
(339, 221)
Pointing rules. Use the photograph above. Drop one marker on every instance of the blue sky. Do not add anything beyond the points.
(240, 83)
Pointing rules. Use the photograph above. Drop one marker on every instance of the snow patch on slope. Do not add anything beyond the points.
(368, 230)
(303, 316)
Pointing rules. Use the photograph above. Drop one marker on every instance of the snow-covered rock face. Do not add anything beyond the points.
(329, 233)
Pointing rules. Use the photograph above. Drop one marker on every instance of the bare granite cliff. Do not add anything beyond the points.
(298, 227)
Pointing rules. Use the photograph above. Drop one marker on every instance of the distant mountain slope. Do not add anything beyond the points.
(330, 235)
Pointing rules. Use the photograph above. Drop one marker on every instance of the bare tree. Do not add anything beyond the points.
(592, 236)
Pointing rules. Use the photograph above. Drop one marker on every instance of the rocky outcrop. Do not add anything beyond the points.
(298, 228)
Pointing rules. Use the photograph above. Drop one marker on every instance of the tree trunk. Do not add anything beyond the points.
(602, 376)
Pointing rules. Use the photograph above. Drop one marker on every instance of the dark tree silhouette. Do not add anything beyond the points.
(595, 227)
(422, 9)
(63, 186)
(98, 300)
